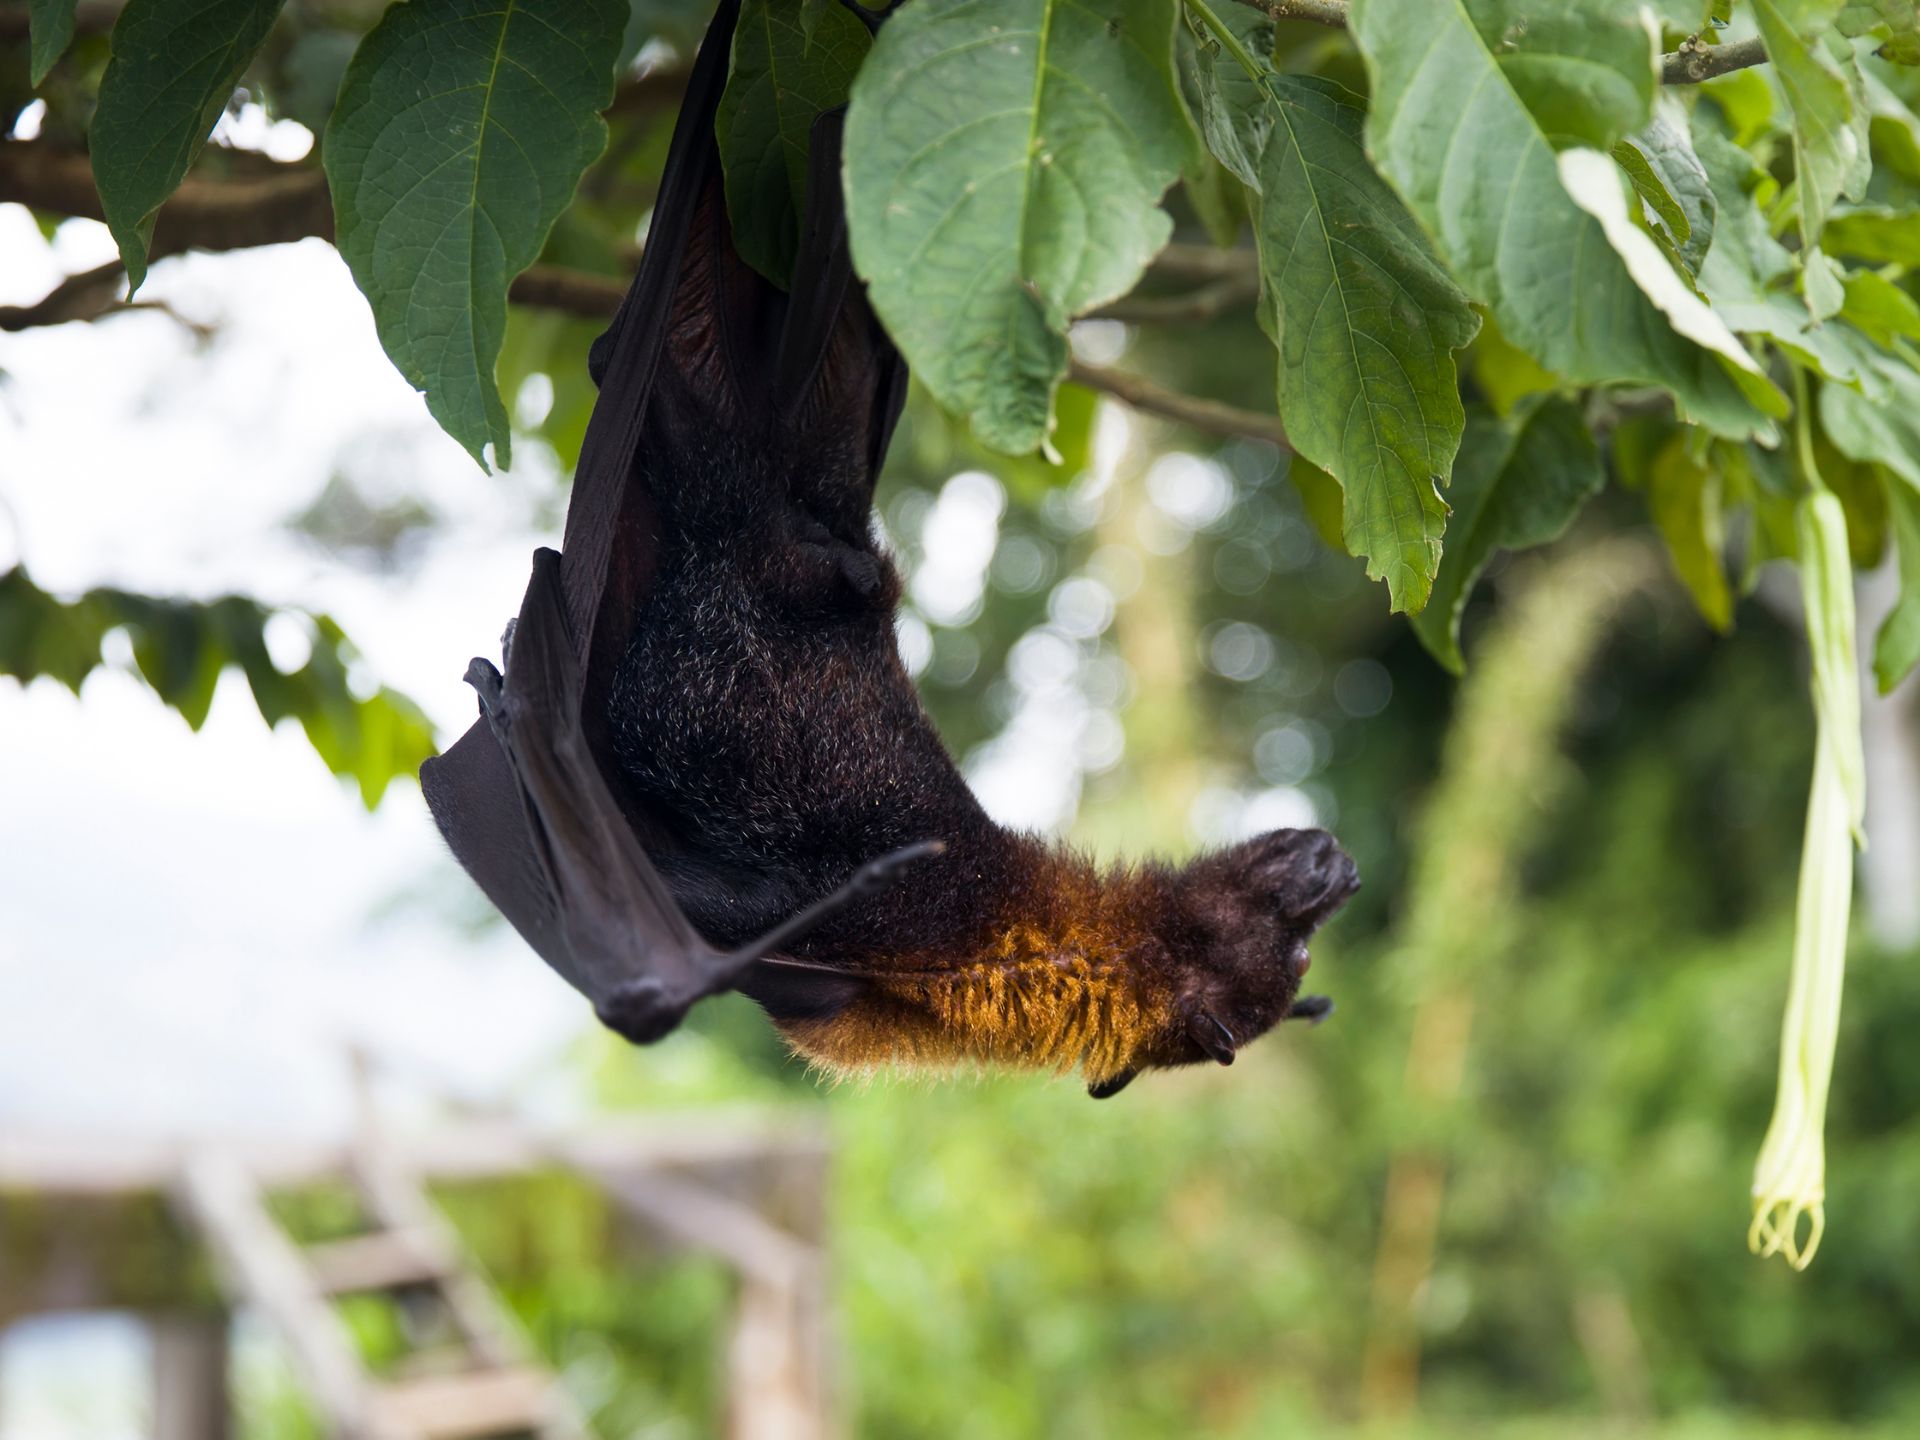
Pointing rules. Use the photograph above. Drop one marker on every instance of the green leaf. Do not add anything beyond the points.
(1669, 177)
(1451, 133)
(1897, 647)
(1880, 433)
(1879, 308)
(1366, 322)
(1748, 100)
(813, 13)
(1876, 234)
(1683, 496)
(1586, 71)
(1320, 497)
(172, 73)
(1894, 23)
(1830, 142)
(1235, 114)
(1513, 488)
(1217, 196)
(1747, 273)
(1504, 374)
(783, 78)
(50, 28)
(1823, 283)
(1596, 186)
(180, 649)
(1005, 161)
(461, 130)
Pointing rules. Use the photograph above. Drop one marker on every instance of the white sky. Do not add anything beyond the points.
(186, 922)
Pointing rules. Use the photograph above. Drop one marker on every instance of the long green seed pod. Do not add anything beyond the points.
(1789, 1181)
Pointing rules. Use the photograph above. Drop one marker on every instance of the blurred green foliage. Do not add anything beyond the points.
(179, 648)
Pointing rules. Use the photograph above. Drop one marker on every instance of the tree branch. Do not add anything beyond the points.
(1192, 307)
(1207, 415)
(283, 202)
(1689, 65)
(86, 296)
(90, 17)
(1200, 263)
(1694, 62)
(1320, 12)
(576, 292)
(289, 203)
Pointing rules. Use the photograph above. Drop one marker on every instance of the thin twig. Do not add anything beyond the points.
(1320, 12)
(576, 292)
(1694, 62)
(1192, 307)
(86, 296)
(1207, 415)
(1200, 263)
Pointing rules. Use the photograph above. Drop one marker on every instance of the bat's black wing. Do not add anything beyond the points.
(528, 798)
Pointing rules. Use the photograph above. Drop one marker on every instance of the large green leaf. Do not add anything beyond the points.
(1598, 187)
(461, 130)
(1585, 71)
(1830, 151)
(1748, 275)
(50, 25)
(1878, 234)
(1874, 432)
(1364, 317)
(1512, 488)
(180, 649)
(1366, 322)
(782, 79)
(1005, 161)
(173, 70)
(1879, 309)
(1452, 133)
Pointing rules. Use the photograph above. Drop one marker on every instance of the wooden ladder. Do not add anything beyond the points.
(485, 1385)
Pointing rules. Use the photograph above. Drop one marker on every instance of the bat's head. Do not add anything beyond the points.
(1247, 913)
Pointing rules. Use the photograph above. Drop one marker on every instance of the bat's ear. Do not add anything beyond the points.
(1112, 1085)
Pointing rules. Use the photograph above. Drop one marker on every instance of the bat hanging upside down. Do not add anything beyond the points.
(704, 735)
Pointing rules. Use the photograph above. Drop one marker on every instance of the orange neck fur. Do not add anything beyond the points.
(1071, 979)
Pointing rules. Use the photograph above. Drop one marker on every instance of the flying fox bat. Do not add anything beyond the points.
(706, 768)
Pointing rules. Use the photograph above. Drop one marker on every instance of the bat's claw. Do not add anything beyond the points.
(491, 686)
(868, 879)
(877, 874)
(1311, 1008)
(488, 682)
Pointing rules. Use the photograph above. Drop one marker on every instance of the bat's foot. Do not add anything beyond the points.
(641, 1011)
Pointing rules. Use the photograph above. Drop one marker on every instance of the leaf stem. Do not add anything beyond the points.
(1229, 41)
